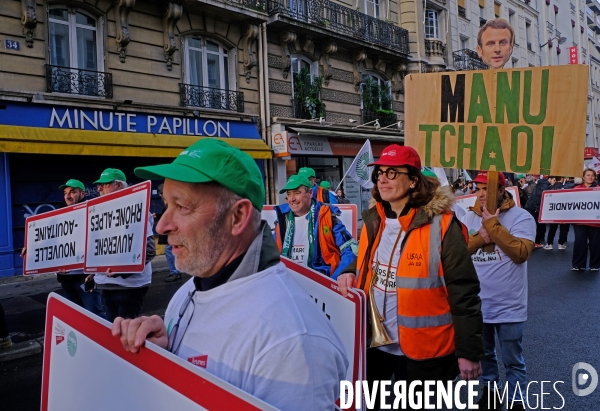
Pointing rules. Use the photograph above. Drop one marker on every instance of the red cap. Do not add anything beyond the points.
(482, 178)
(396, 156)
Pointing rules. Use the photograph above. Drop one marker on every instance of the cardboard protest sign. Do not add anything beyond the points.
(525, 120)
(578, 206)
(82, 357)
(346, 314)
(469, 200)
(348, 217)
(117, 229)
(55, 240)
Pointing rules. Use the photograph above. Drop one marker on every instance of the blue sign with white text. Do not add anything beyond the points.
(11, 44)
(82, 118)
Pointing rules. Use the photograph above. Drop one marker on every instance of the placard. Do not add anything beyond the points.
(348, 217)
(86, 368)
(55, 240)
(469, 200)
(117, 229)
(511, 120)
(347, 315)
(576, 206)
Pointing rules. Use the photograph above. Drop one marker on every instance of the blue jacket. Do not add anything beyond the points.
(347, 246)
(326, 194)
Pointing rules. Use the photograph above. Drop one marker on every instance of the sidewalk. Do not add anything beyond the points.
(24, 301)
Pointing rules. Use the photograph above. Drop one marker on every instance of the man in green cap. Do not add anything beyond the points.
(72, 282)
(124, 293)
(242, 317)
(310, 233)
(318, 193)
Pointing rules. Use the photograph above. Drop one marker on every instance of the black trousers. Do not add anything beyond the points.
(125, 302)
(381, 366)
(586, 237)
(562, 236)
(3, 325)
(540, 228)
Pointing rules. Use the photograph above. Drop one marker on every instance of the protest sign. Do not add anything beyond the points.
(117, 229)
(504, 120)
(55, 240)
(347, 315)
(578, 206)
(86, 368)
(348, 217)
(469, 200)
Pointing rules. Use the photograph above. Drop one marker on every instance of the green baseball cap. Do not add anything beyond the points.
(212, 160)
(294, 182)
(109, 175)
(73, 183)
(307, 172)
(428, 173)
(325, 184)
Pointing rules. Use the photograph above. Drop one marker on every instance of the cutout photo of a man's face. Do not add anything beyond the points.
(495, 43)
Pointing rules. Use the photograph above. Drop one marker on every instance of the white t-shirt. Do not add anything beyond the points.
(380, 291)
(503, 282)
(134, 280)
(265, 335)
(299, 252)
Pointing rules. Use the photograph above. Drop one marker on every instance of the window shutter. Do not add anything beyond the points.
(233, 63)
(461, 3)
(482, 4)
(497, 9)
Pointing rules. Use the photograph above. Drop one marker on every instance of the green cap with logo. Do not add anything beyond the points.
(73, 183)
(428, 173)
(109, 175)
(325, 184)
(307, 172)
(210, 160)
(294, 182)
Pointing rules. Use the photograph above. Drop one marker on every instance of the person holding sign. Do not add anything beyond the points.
(586, 236)
(495, 42)
(124, 293)
(415, 268)
(310, 233)
(503, 276)
(243, 317)
(318, 193)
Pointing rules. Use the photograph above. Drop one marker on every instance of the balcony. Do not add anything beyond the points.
(594, 5)
(343, 20)
(435, 48)
(208, 97)
(467, 59)
(308, 112)
(78, 81)
(384, 119)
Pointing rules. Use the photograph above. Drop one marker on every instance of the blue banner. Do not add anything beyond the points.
(83, 118)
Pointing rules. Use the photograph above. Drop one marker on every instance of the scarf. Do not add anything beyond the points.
(289, 234)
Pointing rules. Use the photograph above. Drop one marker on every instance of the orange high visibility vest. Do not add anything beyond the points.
(424, 319)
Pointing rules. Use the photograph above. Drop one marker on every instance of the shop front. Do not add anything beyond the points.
(330, 152)
(44, 145)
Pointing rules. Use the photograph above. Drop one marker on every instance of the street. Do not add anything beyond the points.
(562, 330)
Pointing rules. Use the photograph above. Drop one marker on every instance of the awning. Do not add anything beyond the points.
(35, 140)
(393, 138)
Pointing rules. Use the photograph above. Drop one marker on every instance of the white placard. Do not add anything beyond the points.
(86, 368)
(55, 241)
(576, 206)
(117, 227)
(469, 200)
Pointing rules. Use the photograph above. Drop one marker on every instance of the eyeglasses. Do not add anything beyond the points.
(390, 173)
(103, 185)
(173, 335)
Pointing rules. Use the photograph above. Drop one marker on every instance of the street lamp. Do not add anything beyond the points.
(561, 40)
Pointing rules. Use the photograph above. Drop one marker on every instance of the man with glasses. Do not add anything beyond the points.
(242, 316)
(124, 293)
(310, 233)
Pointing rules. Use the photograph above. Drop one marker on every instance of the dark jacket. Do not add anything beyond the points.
(462, 283)
(535, 199)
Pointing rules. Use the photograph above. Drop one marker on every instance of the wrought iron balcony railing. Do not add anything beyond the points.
(343, 20)
(467, 59)
(208, 97)
(302, 111)
(78, 81)
(259, 5)
(385, 119)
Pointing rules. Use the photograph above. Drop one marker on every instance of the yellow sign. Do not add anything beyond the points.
(526, 120)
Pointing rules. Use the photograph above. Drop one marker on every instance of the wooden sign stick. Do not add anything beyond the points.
(491, 201)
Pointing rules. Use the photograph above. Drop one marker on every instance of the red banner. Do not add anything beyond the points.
(573, 57)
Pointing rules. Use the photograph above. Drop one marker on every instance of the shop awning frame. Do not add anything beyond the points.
(36, 140)
(324, 132)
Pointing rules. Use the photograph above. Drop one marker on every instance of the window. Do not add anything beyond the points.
(306, 88)
(376, 101)
(74, 48)
(464, 43)
(481, 9)
(528, 34)
(432, 30)
(511, 18)
(372, 8)
(462, 11)
(209, 72)
(496, 10)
